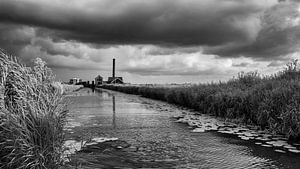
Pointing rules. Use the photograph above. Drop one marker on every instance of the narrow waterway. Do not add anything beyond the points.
(149, 137)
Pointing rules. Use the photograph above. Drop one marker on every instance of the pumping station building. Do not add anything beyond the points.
(110, 80)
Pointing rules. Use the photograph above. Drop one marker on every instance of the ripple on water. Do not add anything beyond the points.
(224, 156)
(72, 124)
(155, 139)
(204, 123)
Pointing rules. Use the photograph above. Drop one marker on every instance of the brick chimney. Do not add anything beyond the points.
(114, 69)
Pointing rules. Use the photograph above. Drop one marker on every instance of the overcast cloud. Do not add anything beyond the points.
(174, 39)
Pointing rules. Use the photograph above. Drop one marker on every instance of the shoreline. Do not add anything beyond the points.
(200, 123)
(136, 90)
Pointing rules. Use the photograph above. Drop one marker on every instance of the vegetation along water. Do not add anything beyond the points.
(270, 102)
(32, 115)
(33, 107)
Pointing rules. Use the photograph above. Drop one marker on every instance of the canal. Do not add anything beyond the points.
(149, 137)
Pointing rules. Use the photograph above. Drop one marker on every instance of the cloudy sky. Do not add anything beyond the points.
(153, 41)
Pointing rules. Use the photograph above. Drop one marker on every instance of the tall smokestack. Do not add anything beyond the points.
(113, 71)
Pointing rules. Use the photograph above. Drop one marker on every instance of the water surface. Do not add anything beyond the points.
(156, 140)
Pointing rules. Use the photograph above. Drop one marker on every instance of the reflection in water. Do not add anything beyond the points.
(114, 111)
(156, 139)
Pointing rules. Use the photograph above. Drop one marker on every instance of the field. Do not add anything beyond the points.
(270, 102)
(32, 116)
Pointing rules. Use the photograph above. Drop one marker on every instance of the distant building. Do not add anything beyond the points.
(98, 80)
(75, 81)
(115, 80)
(111, 80)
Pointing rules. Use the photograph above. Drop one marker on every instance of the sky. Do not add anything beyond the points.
(153, 41)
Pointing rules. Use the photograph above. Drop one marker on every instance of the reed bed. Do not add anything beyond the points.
(270, 102)
(32, 116)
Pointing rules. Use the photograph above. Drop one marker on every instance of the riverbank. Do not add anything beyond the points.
(270, 102)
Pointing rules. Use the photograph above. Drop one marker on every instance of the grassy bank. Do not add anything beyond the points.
(271, 102)
(32, 116)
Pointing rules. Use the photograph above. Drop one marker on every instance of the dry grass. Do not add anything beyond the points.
(32, 116)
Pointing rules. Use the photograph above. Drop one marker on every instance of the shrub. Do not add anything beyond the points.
(32, 116)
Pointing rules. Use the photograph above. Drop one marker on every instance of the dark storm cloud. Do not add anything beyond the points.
(170, 50)
(230, 28)
(279, 35)
(14, 37)
(167, 22)
(48, 46)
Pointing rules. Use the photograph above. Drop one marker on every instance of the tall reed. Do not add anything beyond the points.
(32, 116)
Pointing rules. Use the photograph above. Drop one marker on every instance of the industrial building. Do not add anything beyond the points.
(75, 81)
(111, 80)
(114, 79)
(98, 80)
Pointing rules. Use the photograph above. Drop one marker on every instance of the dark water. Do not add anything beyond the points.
(156, 140)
